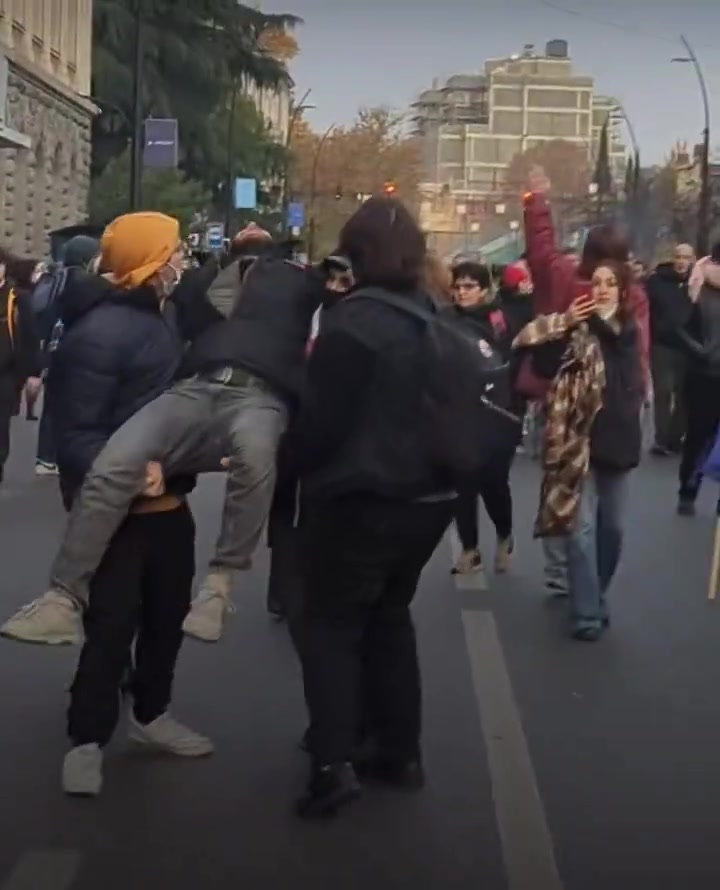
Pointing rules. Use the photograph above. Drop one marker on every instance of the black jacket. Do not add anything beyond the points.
(360, 425)
(20, 352)
(118, 352)
(670, 306)
(616, 436)
(702, 334)
(500, 322)
(268, 327)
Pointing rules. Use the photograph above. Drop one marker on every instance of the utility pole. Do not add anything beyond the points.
(136, 155)
(703, 223)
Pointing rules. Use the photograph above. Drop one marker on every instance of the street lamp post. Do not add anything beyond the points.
(297, 110)
(704, 204)
(136, 155)
(313, 191)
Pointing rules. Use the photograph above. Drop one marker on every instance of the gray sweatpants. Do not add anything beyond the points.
(187, 429)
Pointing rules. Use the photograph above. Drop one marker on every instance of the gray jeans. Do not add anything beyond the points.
(187, 429)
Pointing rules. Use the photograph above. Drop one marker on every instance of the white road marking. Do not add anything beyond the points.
(526, 841)
(44, 870)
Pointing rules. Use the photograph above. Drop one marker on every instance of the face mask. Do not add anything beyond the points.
(169, 283)
(607, 311)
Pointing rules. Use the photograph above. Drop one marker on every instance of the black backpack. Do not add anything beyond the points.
(467, 392)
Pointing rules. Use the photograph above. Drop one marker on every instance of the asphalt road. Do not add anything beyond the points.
(552, 765)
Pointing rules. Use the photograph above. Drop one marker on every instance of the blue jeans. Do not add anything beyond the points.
(556, 568)
(594, 547)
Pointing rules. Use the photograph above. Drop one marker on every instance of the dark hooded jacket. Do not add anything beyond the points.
(670, 306)
(118, 352)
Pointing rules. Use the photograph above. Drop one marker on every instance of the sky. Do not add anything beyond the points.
(356, 53)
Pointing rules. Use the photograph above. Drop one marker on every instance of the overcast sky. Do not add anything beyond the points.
(383, 52)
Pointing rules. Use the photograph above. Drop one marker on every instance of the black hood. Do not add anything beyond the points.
(83, 292)
(667, 272)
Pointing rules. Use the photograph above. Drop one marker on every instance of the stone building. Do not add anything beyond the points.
(45, 116)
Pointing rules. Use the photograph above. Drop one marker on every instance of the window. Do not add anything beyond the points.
(57, 10)
(452, 151)
(552, 98)
(555, 124)
(508, 97)
(508, 122)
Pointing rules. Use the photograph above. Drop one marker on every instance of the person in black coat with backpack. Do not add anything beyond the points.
(497, 319)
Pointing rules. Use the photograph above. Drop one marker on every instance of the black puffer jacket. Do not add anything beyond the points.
(118, 352)
(670, 306)
(616, 435)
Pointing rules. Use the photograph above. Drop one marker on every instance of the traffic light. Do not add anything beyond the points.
(390, 189)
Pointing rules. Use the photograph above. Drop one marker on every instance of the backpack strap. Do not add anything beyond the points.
(11, 315)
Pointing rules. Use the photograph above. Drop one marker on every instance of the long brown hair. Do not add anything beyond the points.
(607, 243)
(622, 276)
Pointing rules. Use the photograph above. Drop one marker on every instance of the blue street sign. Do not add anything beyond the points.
(215, 236)
(161, 143)
(245, 194)
(295, 215)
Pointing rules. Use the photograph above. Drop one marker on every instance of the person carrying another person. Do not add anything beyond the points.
(241, 376)
(477, 310)
(701, 345)
(121, 347)
(670, 311)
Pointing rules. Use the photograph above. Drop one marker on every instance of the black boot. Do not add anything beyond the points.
(403, 774)
(329, 789)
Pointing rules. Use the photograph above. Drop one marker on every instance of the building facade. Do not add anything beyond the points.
(474, 125)
(45, 117)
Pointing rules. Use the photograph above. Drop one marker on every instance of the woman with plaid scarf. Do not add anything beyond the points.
(592, 437)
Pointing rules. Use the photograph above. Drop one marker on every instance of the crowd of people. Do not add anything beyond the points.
(359, 407)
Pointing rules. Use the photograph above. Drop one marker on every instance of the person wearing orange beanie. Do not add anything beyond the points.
(121, 346)
(240, 378)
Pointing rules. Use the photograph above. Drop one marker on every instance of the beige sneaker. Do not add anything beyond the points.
(207, 613)
(55, 620)
(503, 555)
(469, 563)
(167, 735)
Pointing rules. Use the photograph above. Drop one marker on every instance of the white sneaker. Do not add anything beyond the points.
(207, 613)
(166, 734)
(45, 469)
(55, 620)
(82, 771)
(503, 554)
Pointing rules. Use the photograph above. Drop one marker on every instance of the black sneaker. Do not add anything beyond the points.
(405, 775)
(330, 788)
(686, 507)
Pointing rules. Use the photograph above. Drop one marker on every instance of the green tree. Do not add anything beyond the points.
(196, 52)
(603, 175)
(168, 191)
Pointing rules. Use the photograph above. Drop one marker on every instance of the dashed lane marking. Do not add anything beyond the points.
(44, 870)
(526, 841)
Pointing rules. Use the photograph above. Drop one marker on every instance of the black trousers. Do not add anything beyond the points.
(493, 486)
(8, 409)
(284, 592)
(140, 592)
(362, 559)
(669, 372)
(702, 398)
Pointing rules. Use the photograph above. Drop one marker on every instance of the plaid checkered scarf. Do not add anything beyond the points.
(572, 403)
